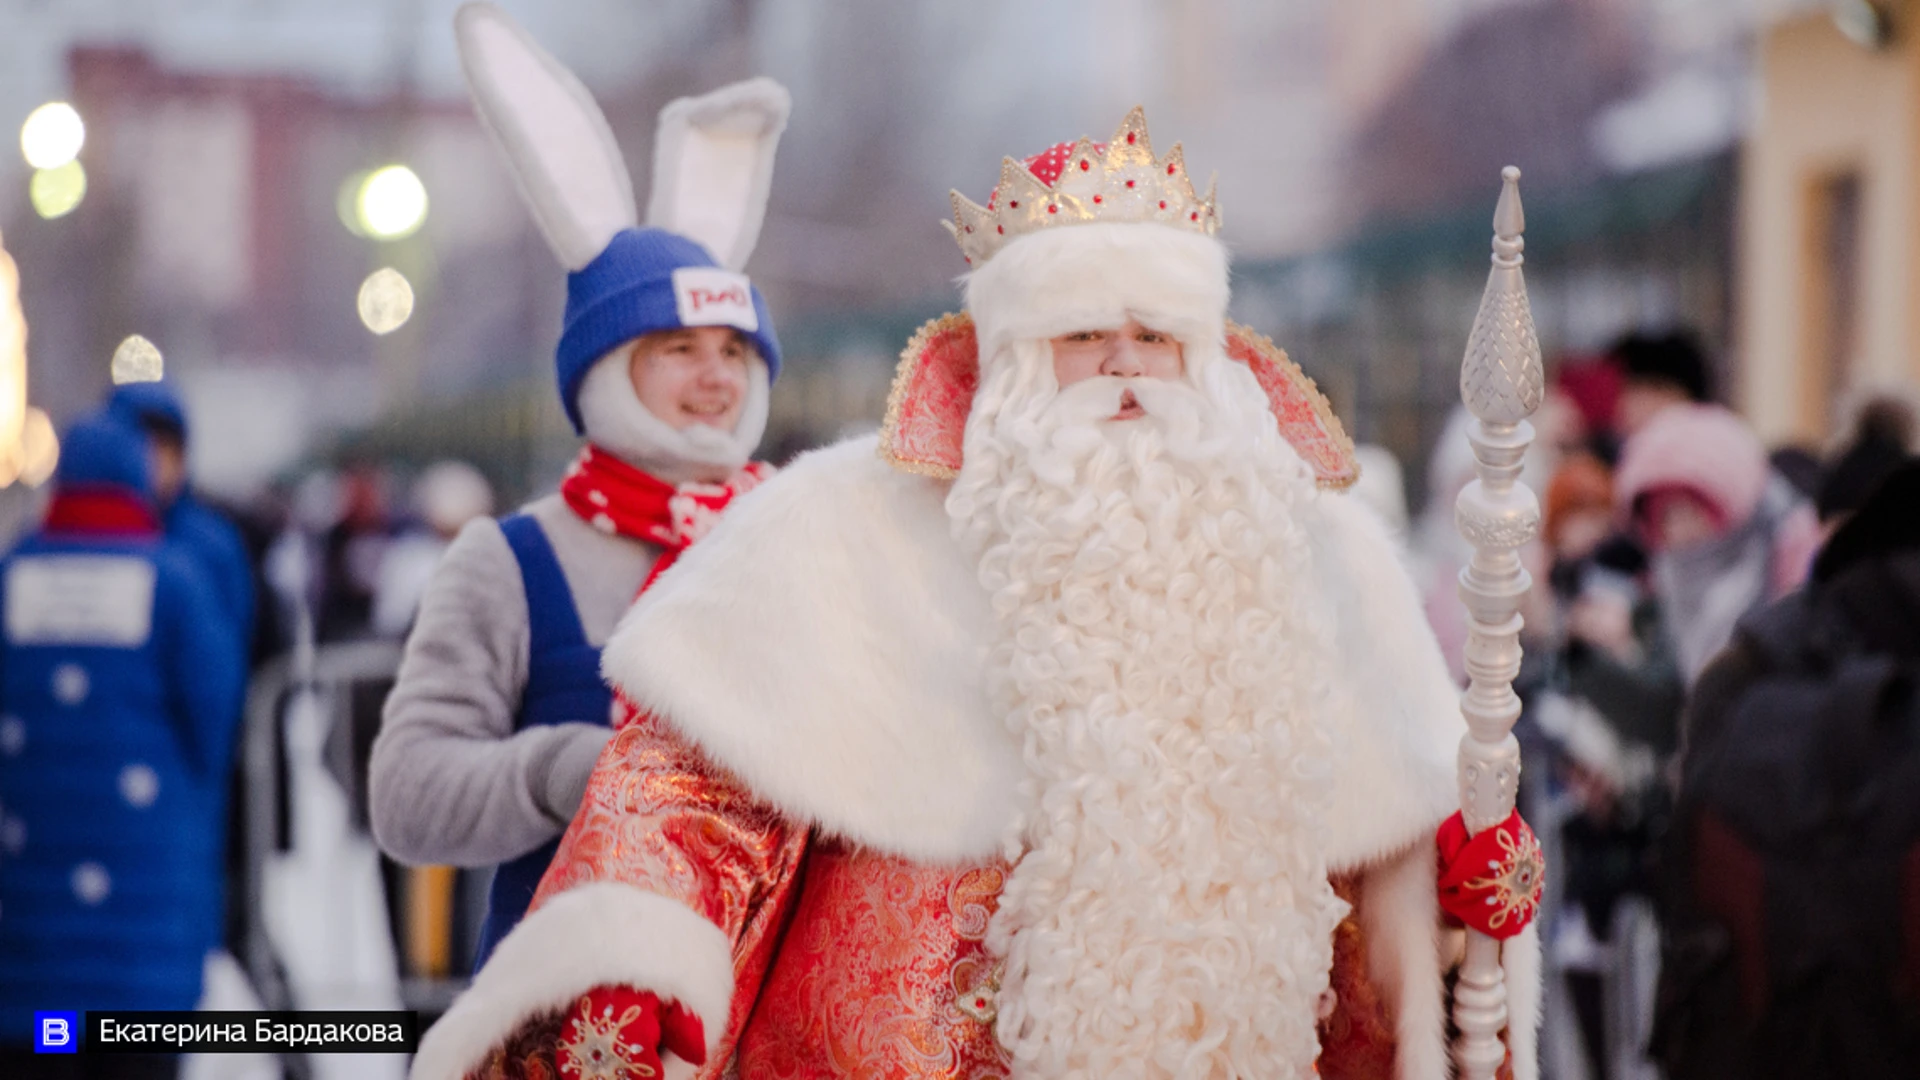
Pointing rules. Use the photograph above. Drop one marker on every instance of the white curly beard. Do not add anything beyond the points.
(1169, 915)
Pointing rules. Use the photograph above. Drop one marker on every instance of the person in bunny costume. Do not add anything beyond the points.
(664, 365)
(1078, 725)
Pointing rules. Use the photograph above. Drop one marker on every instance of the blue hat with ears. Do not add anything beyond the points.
(712, 169)
(149, 405)
(646, 281)
(102, 450)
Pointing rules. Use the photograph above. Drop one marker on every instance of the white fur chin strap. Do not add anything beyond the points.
(616, 422)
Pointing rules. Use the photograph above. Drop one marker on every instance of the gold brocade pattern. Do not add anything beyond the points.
(658, 816)
(883, 975)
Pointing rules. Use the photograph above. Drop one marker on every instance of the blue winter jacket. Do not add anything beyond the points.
(213, 542)
(202, 531)
(120, 681)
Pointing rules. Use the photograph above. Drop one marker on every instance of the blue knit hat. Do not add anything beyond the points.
(648, 280)
(102, 450)
(149, 405)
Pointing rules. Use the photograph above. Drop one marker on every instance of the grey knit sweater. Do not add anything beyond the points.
(452, 782)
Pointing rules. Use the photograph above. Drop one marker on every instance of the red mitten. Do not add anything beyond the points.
(617, 1032)
(682, 1033)
(1490, 882)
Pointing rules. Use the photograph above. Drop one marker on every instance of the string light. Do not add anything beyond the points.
(55, 192)
(52, 135)
(392, 203)
(137, 360)
(386, 300)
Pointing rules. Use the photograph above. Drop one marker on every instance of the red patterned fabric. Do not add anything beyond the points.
(658, 817)
(939, 374)
(1306, 421)
(933, 391)
(1491, 881)
(101, 510)
(617, 498)
(618, 1033)
(884, 974)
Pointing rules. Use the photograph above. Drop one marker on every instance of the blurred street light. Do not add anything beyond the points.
(52, 135)
(386, 300)
(137, 360)
(392, 203)
(55, 192)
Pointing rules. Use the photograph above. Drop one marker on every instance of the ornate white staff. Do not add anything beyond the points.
(1501, 383)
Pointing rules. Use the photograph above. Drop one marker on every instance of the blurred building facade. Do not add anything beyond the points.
(1830, 272)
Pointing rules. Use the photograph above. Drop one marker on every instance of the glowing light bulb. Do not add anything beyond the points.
(386, 300)
(392, 203)
(55, 192)
(52, 135)
(137, 360)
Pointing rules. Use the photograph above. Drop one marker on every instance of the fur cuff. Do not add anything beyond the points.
(1520, 956)
(589, 936)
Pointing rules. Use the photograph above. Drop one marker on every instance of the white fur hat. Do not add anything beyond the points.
(1085, 235)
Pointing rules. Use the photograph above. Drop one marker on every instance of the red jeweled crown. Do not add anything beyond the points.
(1082, 183)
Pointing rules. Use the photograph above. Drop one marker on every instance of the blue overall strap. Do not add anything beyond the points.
(563, 686)
(563, 670)
(550, 615)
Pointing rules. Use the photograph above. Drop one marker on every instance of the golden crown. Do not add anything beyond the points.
(1080, 183)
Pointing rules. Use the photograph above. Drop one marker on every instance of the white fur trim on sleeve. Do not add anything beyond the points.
(1400, 920)
(1397, 711)
(552, 132)
(1407, 957)
(713, 166)
(1520, 956)
(599, 934)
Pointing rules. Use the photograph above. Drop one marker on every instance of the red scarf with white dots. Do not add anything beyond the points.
(620, 500)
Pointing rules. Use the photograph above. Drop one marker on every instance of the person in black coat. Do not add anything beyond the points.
(1792, 875)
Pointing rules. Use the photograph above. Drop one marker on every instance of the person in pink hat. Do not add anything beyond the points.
(1724, 532)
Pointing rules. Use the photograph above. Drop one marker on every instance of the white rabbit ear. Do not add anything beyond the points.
(554, 135)
(713, 165)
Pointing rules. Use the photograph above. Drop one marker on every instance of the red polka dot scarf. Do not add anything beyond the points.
(620, 500)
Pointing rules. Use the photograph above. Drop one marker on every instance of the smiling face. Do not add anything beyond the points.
(692, 376)
(1131, 351)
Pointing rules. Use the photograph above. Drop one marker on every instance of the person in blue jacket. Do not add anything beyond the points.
(119, 678)
(204, 532)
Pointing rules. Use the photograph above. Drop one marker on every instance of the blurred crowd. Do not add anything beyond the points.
(1704, 618)
(126, 830)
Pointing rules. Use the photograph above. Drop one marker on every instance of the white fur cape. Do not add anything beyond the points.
(824, 643)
